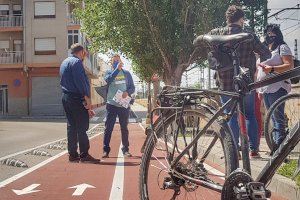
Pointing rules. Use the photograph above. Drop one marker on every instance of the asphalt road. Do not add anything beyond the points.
(18, 135)
(22, 134)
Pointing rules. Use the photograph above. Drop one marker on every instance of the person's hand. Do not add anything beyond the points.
(124, 95)
(155, 77)
(267, 69)
(91, 113)
(120, 65)
(88, 103)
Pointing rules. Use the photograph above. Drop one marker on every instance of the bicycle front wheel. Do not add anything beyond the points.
(281, 117)
(208, 162)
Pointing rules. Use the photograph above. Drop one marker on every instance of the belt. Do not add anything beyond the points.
(73, 95)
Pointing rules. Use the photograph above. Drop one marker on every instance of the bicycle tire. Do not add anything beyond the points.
(228, 145)
(268, 127)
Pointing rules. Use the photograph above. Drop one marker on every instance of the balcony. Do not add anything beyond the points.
(11, 21)
(72, 20)
(11, 57)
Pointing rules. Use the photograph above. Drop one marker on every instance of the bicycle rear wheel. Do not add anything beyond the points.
(210, 160)
(291, 105)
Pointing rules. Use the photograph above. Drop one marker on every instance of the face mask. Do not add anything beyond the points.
(115, 64)
(270, 39)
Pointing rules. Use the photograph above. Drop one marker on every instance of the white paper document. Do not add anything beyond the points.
(120, 100)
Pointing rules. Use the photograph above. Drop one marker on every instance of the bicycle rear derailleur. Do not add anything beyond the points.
(239, 185)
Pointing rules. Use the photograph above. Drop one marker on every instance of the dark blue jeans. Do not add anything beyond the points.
(251, 122)
(77, 125)
(111, 115)
(278, 116)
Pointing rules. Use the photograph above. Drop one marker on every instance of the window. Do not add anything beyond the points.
(17, 10)
(4, 10)
(73, 37)
(4, 45)
(18, 46)
(44, 9)
(44, 46)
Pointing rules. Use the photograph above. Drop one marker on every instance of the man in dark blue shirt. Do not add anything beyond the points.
(77, 104)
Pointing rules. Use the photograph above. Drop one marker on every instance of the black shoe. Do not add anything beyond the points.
(89, 159)
(127, 154)
(105, 155)
(74, 159)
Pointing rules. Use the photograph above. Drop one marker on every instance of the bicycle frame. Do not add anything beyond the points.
(236, 99)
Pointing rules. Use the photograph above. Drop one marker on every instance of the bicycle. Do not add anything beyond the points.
(289, 116)
(180, 148)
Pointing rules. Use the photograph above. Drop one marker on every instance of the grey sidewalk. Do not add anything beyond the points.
(279, 184)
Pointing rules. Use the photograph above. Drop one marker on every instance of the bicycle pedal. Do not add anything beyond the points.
(257, 191)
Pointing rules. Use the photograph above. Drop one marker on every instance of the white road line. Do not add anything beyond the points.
(140, 124)
(16, 177)
(116, 192)
(20, 175)
(28, 150)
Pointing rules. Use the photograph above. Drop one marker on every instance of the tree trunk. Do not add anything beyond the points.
(173, 78)
(155, 93)
(149, 97)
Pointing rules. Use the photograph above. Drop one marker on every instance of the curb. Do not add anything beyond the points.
(281, 185)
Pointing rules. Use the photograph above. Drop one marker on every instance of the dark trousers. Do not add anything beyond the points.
(111, 115)
(278, 117)
(77, 125)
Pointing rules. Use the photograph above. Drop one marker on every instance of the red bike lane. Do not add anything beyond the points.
(115, 178)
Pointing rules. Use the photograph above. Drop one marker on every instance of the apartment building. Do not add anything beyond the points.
(35, 37)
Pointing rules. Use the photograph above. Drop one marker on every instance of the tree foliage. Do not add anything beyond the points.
(256, 12)
(156, 35)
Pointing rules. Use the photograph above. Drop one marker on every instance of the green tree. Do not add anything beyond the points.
(156, 35)
(256, 12)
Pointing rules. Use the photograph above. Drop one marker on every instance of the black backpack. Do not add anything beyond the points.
(296, 64)
(219, 58)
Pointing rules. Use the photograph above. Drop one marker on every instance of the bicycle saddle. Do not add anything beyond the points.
(222, 39)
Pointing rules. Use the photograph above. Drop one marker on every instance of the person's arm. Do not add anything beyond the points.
(287, 61)
(80, 79)
(261, 49)
(111, 75)
(287, 64)
(131, 88)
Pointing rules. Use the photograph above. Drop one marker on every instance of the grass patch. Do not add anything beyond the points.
(288, 170)
(142, 102)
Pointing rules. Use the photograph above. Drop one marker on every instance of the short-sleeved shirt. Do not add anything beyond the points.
(275, 60)
(119, 83)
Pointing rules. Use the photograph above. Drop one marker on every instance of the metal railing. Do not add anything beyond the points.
(72, 20)
(11, 57)
(11, 21)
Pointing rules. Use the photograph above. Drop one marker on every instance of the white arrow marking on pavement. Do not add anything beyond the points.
(81, 188)
(27, 190)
